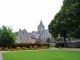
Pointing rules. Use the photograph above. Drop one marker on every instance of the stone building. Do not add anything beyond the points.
(42, 34)
(35, 36)
(22, 36)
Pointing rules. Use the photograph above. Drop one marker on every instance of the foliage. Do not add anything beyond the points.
(42, 55)
(52, 44)
(28, 45)
(67, 19)
(75, 35)
(24, 46)
(59, 39)
(48, 40)
(7, 37)
(69, 38)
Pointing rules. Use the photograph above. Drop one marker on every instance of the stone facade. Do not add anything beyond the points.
(22, 36)
(36, 36)
(42, 34)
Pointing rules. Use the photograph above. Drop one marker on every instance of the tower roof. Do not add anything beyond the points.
(41, 23)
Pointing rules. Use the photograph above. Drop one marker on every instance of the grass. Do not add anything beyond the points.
(42, 55)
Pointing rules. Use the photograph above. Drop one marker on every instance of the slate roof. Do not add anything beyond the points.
(45, 31)
(32, 36)
(41, 23)
(36, 32)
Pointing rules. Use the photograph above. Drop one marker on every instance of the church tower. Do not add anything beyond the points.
(41, 26)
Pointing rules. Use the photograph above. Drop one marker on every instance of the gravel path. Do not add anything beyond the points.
(1, 58)
(73, 49)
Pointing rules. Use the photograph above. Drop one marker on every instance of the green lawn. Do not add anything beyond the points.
(42, 55)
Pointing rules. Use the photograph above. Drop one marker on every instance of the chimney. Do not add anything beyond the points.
(19, 29)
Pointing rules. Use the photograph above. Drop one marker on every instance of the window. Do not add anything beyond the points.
(23, 32)
(27, 37)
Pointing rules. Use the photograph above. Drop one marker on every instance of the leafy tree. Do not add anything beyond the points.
(58, 26)
(59, 39)
(67, 19)
(48, 40)
(7, 37)
(75, 35)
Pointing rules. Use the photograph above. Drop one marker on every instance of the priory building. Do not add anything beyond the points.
(35, 36)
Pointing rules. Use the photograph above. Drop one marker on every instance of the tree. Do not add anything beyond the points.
(7, 37)
(67, 19)
(75, 35)
(58, 26)
(59, 39)
(48, 40)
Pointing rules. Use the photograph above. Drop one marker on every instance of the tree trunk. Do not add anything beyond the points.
(65, 44)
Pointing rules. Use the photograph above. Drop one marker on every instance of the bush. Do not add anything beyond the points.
(53, 44)
(59, 45)
(25, 46)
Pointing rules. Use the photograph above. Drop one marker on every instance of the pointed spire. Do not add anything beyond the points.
(41, 23)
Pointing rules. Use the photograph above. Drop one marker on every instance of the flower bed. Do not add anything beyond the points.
(17, 47)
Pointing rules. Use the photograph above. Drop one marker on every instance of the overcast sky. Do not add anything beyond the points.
(27, 14)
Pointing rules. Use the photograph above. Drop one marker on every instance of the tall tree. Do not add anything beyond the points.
(67, 19)
(7, 37)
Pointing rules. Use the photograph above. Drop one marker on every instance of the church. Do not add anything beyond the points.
(35, 36)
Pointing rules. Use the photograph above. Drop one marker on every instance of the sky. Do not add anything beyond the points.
(27, 14)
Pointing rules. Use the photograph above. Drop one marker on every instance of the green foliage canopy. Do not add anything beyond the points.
(67, 19)
(7, 37)
(48, 40)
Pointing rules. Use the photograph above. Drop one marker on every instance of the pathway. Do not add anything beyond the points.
(1, 58)
(74, 49)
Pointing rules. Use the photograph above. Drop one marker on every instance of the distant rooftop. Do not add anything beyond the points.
(41, 23)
